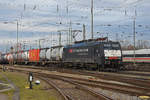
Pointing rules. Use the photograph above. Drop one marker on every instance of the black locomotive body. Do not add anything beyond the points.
(83, 52)
(103, 54)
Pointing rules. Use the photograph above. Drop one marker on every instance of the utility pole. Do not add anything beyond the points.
(70, 32)
(92, 18)
(84, 31)
(134, 33)
(30, 47)
(134, 37)
(107, 36)
(116, 37)
(59, 38)
(17, 38)
(69, 36)
(39, 44)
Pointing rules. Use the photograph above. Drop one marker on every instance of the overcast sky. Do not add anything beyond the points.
(40, 19)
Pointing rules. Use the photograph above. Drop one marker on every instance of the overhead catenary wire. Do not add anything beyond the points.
(71, 4)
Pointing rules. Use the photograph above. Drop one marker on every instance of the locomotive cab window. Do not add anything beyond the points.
(107, 46)
(115, 46)
(112, 46)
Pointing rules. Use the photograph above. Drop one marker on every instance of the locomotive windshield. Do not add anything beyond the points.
(111, 46)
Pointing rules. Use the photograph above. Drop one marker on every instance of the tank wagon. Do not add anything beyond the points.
(43, 54)
(141, 56)
(3, 59)
(99, 54)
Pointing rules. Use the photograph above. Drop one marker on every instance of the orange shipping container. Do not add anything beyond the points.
(34, 55)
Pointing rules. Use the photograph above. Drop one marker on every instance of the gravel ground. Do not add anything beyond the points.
(116, 95)
(74, 92)
(3, 97)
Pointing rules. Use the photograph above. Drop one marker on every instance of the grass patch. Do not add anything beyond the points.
(39, 92)
(9, 94)
(2, 79)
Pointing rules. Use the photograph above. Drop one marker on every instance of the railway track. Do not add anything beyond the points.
(121, 88)
(74, 91)
(65, 97)
(70, 90)
(125, 78)
(137, 73)
(137, 80)
(137, 67)
(127, 89)
(134, 78)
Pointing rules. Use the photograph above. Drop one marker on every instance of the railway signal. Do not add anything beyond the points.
(30, 79)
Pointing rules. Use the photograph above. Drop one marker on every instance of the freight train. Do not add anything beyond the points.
(100, 54)
(141, 56)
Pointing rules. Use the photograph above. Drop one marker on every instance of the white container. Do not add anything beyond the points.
(56, 53)
(43, 54)
(48, 54)
(9, 57)
(25, 55)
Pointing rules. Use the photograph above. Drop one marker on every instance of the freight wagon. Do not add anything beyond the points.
(101, 55)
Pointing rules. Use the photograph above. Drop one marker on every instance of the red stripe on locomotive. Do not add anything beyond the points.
(70, 51)
(113, 58)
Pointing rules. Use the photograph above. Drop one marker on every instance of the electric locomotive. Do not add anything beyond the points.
(105, 55)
